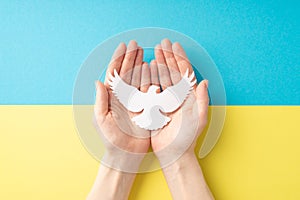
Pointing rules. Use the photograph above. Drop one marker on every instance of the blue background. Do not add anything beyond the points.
(255, 44)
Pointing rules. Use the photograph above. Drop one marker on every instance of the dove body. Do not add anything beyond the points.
(151, 118)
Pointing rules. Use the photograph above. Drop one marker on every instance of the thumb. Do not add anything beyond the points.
(101, 104)
(202, 100)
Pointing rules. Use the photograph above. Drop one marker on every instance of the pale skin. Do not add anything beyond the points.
(184, 175)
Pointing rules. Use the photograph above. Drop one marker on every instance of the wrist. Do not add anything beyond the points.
(168, 156)
(123, 161)
(185, 178)
(182, 163)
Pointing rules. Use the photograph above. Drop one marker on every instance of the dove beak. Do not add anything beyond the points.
(156, 89)
(153, 88)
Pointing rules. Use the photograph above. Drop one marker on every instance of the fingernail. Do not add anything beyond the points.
(206, 84)
(96, 85)
(158, 46)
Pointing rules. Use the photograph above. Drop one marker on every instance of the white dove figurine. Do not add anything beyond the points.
(152, 104)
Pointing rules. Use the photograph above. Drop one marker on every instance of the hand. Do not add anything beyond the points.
(180, 135)
(174, 144)
(121, 136)
(125, 148)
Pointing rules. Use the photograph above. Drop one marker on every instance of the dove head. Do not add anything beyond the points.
(153, 89)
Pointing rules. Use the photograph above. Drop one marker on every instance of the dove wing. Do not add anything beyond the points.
(129, 96)
(172, 97)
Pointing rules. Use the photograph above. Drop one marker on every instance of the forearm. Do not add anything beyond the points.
(111, 184)
(185, 179)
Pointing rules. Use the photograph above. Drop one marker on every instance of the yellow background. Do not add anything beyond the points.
(257, 156)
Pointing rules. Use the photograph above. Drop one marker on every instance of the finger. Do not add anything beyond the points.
(101, 103)
(171, 61)
(116, 61)
(181, 58)
(136, 76)
(202, 101)
(154, 73)
(139, 57)
(128, 61)
(137, 69)
(145, 80)
(163, 71)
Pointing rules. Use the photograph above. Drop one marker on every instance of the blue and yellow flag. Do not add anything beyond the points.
(254, 44)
